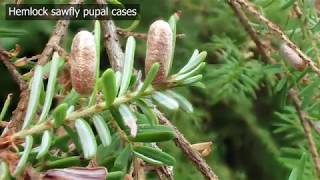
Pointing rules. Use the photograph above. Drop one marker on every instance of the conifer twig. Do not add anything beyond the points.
(185, 146)
(243, 19)
(277, 30)
(116, 55)
(293, 94)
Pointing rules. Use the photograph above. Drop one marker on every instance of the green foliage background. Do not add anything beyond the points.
(243, 110)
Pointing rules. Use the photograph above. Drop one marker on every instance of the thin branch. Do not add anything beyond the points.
(307, 130)
(161, 175)
(111, 42)
(185, 146)
(138, 169)
(63, 53)
(142, 36)
(243, 20)
(304, 26)
(55, 39)
(116, 55)
(277, 30)
(293, 94)
(121, 32)
(25, 60)
(18, 114)
(58, 33)
(4, 56)
(164, 173)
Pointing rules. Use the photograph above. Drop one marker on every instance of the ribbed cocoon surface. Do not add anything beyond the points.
(292, 57)
(159, 48)
(83, 62)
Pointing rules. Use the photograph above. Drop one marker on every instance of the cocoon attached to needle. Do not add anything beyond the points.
(159, 49)
(292, 57)
(83, 62)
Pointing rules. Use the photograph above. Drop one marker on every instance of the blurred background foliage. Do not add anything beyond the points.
(243, 109)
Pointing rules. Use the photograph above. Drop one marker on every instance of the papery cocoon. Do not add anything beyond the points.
(83, 62)
(159, 48)
(292, 57)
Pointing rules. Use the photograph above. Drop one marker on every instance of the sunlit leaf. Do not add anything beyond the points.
(128, 65)
(64, 162)
(156, 133)
(191, 80)
(34, 96)
(102, 129)
(149, 78)
(50, 86)
(109, 86)
(153, 154)
(24, 158)
(194, 61)
(97, 37)
(5, 106)
(45, 144)
(118, 80)
(129, 119)
(173, 25)
(192, 72)
(87, 138)
(165, 101)
(4, 171)
(184, 104)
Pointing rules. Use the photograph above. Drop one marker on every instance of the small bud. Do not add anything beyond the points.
(159, 48)
(83, 62)
(292, 57)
